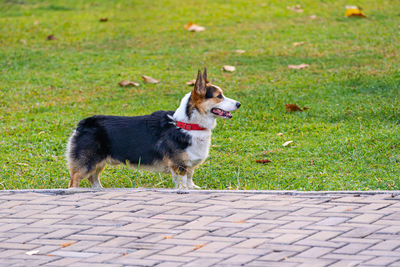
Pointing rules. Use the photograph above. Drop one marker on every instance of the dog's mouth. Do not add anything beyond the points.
(221, 113)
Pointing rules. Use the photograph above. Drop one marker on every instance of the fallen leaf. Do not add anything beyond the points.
(64, 245)
(239, 51)
(312, 17)
(294, 107)
(149, 79)
(103, 19)
(241, 221)
(296, 8)
(196, 247)
(23, 41)
(124, 254)
(50, 255)
(287, 143)
(32, 252)
(36, 22)
(41, 132)
(295, 44)
(286, 258)
(263, 161)
(280, 134)
(312, 162)
(348, 209)
(298, 67)
(125, 83)
(354, 11)
(194, 27)
(168, 237)
(228, 68)
(51, 37)
(22, 164)
(191, 82)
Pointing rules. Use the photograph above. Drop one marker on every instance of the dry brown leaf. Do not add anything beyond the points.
(296, 8)
(124, 254)
(149, 79)
(41, 132)
(294, 108)
(312, 17)
(228, 68)
(348, 209)
(240, 51)
(287, 143)
(194, 27)
(298, 67)
(23, 41)
(354, 11)
(280, 134)
(168, 237)
(125, 83)
(22, 164)
(51, 37)
(312, 162)
(50, 255)
(103, 19)
(191, 82)
(64, 245)
(196, 247)
(241, 221)
(263, 161)
(295, 44)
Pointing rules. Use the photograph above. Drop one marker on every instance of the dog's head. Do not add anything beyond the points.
(208, 99)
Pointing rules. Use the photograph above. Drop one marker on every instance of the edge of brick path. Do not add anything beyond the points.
(162, 190)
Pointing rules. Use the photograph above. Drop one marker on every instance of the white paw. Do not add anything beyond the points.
(193, 186)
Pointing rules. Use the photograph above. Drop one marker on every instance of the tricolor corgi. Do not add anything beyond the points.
(164, 141)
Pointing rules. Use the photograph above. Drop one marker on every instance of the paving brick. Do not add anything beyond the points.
(383, 261)
(277, 256)
(240, 259)
(386, 245)
(332, 221)
(172, 258)
(287, 238)
(353, 248)
(314, 252)
(251, 243)
(205, 262)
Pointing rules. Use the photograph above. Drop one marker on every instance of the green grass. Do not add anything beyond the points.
(348, 140)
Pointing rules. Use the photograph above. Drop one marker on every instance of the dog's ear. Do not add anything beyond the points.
(200, 85)
(205, 75)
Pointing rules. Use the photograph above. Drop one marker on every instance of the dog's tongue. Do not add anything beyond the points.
(222, 113)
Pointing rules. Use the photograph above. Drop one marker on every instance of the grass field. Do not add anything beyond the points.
(349, 139)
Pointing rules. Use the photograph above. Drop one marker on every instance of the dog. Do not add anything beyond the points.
(164, 141)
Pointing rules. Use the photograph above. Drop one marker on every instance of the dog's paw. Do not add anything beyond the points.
(193, 186)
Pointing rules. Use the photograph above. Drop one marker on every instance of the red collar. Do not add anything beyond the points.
(189, 126)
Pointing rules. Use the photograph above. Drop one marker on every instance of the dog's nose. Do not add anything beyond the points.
(238, 104)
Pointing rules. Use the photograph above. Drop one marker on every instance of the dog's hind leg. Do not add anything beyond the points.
(94, 176)
(189, 182)
(76, 177)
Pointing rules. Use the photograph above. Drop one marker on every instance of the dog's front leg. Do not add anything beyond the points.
(190, 183)
(180, 180)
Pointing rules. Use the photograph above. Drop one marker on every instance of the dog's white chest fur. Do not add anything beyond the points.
(198, 151)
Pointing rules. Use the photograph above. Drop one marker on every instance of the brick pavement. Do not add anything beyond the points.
(117, 227)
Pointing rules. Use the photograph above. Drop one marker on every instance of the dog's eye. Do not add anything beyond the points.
(220, 96)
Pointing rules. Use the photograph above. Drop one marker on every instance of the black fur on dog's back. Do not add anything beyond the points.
(137, 140)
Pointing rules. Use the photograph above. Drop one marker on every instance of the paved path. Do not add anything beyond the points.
(202, 228)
